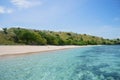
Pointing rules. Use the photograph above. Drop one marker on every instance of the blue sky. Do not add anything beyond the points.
(94, 17)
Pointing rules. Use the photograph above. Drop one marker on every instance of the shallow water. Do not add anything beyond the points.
(91, 63)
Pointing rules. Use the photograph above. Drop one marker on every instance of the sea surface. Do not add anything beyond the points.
(88, 63)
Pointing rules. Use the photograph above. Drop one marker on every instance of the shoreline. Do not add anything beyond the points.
(11, 50)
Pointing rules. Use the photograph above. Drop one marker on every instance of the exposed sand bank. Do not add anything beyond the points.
(14, 50)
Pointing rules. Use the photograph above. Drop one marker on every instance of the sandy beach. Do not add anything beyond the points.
(23, 49)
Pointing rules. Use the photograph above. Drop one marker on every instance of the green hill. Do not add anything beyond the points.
(40, 37)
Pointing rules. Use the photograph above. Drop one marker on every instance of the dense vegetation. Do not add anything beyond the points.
(38, 37)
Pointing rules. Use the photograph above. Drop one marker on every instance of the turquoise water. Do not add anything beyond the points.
(91, 63)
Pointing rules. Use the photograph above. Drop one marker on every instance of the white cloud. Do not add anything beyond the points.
(25, 3)
(1, 29)
(4, 10)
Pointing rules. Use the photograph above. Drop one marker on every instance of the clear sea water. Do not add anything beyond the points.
(90, 63)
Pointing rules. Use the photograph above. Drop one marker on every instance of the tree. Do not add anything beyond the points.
(5, 30)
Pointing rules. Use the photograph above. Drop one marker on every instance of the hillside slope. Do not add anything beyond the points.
(41, 37)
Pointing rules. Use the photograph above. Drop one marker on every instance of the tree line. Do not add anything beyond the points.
(42, 37)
